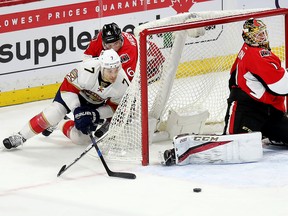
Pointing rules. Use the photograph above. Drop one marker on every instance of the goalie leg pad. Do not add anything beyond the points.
(218, 149)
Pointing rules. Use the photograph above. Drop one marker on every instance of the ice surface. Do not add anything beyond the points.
(29, 186)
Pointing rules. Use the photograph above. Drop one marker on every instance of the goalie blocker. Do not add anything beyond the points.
(215, 149)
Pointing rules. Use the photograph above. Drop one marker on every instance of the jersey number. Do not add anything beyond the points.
(125, 81)
(90, 71)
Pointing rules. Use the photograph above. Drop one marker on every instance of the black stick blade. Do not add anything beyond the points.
(63, 168)
(122, 175)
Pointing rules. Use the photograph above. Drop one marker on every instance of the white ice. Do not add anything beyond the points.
(29, 186)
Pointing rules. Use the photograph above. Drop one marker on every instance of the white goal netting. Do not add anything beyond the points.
(188, 71)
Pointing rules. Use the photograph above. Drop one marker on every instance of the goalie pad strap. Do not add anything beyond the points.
(199, 148)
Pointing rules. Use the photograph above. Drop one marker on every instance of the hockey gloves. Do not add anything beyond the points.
(86, 119)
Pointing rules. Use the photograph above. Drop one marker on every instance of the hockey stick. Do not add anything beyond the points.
(65, 167)
(109, 172)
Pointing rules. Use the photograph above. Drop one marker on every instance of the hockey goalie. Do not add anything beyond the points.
(215, 149)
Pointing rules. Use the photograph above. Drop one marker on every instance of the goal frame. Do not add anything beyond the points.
(184, 26)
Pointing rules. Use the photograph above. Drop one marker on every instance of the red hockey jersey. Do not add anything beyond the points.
(258, 72)
(128, 52)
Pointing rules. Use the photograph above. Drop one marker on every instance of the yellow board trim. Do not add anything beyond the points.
(214, 64)
(185, 69)
(204, 66)
(28, 95)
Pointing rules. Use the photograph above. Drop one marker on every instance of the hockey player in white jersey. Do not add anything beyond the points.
(92, 92)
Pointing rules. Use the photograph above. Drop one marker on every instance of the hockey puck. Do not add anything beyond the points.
(197, 190)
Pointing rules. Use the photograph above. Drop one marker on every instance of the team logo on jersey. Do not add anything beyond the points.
(93, 96)
(265, 53)
(124, 58)
(100, 89)
(72, 75)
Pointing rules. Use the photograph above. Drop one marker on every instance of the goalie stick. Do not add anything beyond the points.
(65, 167)
(109, 172)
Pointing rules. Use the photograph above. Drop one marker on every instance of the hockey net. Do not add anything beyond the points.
(188, 74)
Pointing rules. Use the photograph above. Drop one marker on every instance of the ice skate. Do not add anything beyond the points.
(13, 141)
(277, 143)
(50, 129)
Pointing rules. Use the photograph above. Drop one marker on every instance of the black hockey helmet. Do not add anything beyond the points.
(111, 33)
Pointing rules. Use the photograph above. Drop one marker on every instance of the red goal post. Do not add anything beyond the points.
(144, 34)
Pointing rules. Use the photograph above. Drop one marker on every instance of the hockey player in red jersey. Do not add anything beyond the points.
(92, 92)
(125, 44)
(258, 88)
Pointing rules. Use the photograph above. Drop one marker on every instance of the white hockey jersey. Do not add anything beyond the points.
(85, 80)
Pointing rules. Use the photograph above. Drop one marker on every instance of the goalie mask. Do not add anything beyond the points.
(111, 33)
(255, 33)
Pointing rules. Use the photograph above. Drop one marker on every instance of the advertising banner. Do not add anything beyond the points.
(41, 44)
(38, 47)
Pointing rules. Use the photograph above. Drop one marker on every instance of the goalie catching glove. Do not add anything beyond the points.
(86, 119)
